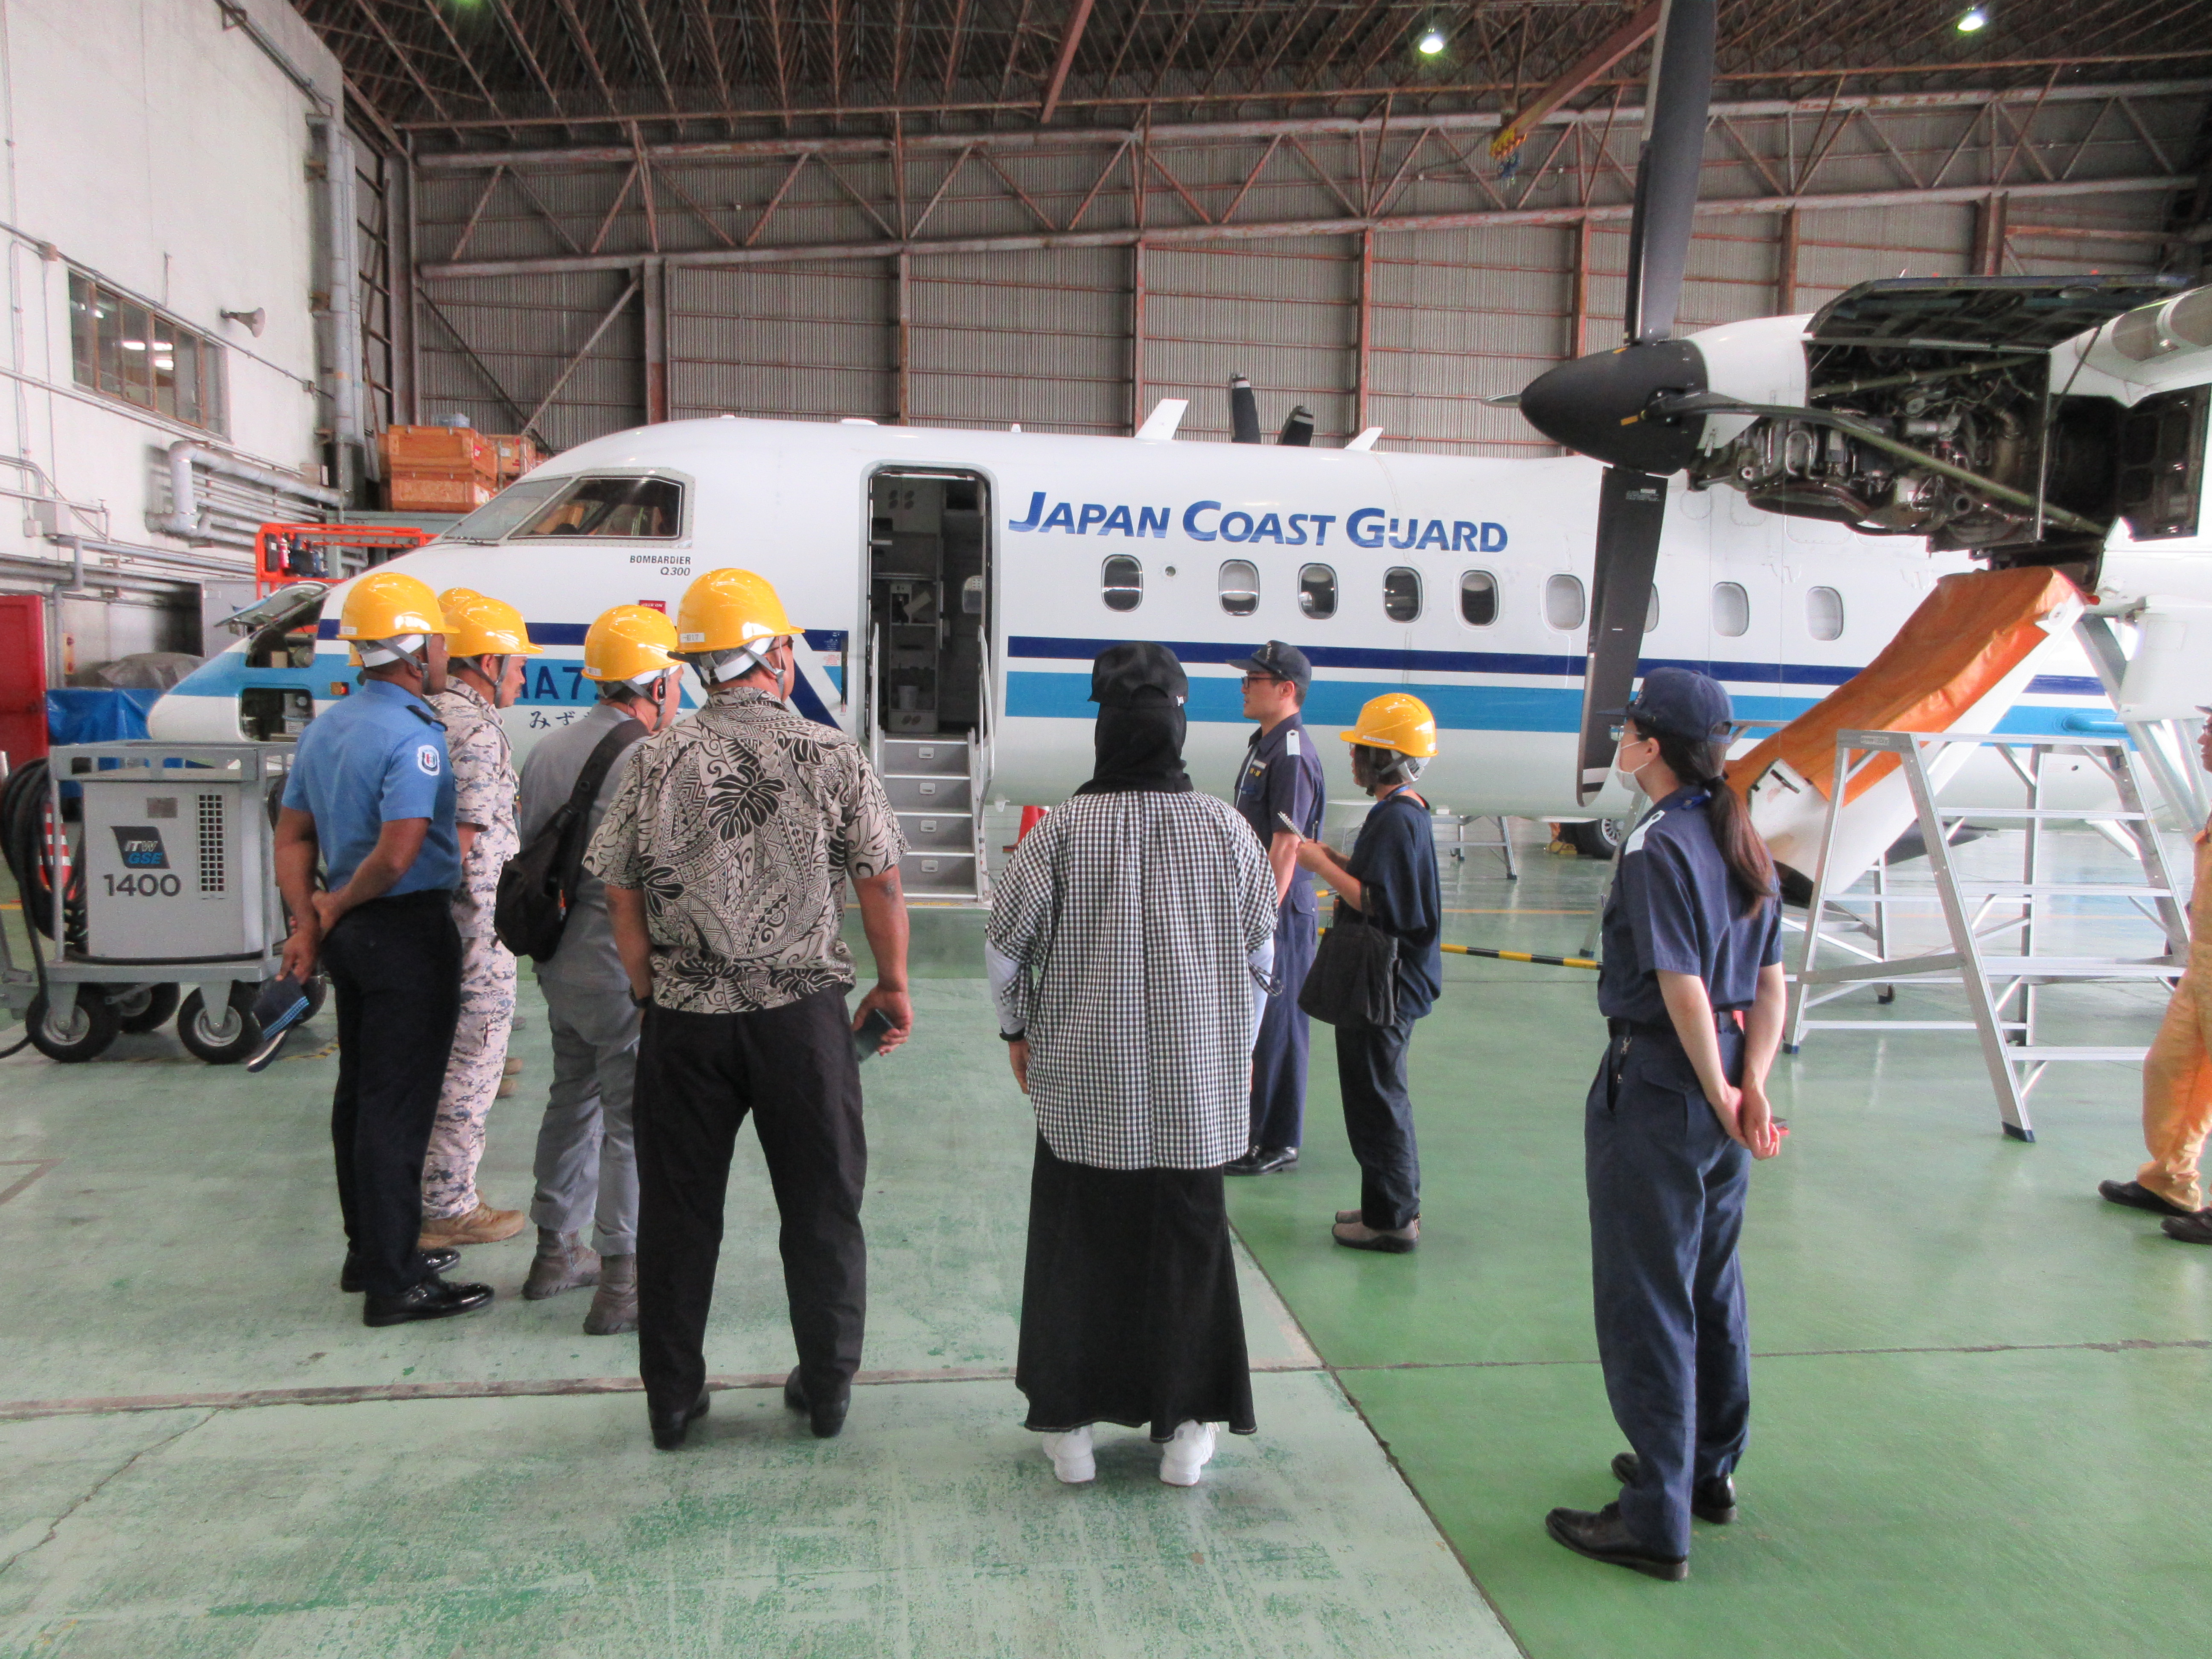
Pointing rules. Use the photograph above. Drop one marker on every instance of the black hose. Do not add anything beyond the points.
(22, 826)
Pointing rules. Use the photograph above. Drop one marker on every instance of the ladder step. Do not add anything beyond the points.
(1957, 815)
(2045, 1052)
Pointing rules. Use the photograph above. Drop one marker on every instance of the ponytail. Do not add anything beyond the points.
(1746, 856)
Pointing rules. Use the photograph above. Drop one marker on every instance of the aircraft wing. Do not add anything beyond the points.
(2002, 313)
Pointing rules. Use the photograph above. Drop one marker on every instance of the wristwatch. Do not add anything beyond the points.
(637, 1002)
(1013, 1036)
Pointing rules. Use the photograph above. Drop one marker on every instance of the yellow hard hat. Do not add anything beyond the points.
(729, 610)
(385, 603)
(1396, 721)
(480, 626)
(628, 642)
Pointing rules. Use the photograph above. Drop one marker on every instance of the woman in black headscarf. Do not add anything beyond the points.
(1130, 941)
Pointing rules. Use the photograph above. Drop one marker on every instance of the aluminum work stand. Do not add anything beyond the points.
(2000, 982)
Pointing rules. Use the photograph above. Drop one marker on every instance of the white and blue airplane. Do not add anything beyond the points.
(954, 585)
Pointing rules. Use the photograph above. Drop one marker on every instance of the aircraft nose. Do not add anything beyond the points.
(1596, 405)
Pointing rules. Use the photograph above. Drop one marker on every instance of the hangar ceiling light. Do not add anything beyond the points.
(1430, 42)
(1973, 20)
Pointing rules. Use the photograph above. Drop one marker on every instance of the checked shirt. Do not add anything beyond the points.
(1133, 916)
(741, 825)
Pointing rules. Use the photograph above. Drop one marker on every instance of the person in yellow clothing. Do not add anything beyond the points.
(2178, 1073)
(486, 644)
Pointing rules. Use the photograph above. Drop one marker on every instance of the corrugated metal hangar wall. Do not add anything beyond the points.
(1384, 274)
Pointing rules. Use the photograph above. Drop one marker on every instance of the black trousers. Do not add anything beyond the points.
(1278, 1057)
(1667, 1189)
(1378, 1120)
(395, 969)
(698, 1075)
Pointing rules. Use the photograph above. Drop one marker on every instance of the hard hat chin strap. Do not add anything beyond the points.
(383, 654)
(721, 667)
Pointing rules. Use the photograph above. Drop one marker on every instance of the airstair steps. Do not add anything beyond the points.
(930, 784)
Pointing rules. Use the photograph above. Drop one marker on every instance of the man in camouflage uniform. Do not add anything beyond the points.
(487, 644)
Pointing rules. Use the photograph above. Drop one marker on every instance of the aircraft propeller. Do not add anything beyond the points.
(1603, 404)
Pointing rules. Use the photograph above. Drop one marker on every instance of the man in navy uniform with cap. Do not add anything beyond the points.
(1281, 777)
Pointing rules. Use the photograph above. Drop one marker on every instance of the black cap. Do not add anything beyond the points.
(1681, 702)
(1137, 674)
(1280, 661)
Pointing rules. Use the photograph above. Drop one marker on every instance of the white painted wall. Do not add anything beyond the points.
(149, 145)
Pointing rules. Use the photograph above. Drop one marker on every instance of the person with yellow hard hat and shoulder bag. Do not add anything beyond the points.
(726, 852)
(487, 647)
(368, 806)
(587, 1162)
(1388, 886)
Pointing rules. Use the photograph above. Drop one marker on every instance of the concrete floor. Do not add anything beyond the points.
(1978, 1422)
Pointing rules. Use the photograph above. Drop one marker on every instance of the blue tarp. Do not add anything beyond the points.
(76, 715)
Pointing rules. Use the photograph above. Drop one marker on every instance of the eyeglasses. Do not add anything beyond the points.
(1264, 679)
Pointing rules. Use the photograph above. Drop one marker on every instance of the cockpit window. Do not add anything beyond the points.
(628, 508)
(518, 502)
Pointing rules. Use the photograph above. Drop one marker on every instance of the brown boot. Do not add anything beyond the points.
(614, 1304)
(512, 1067)
(482, 1226)
(563, 1262)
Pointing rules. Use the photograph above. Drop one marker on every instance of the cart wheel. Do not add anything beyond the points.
(222, 1036)
(318, 993)
(91, 1025)
(147, 1007)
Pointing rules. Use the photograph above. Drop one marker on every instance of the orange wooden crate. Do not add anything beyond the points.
(431, 492)
(450, 450)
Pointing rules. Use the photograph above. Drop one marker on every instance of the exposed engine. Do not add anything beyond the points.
(1980, 411)
(1956, 373)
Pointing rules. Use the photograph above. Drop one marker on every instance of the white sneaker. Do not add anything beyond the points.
(1187, 1453)
(1071, 1455)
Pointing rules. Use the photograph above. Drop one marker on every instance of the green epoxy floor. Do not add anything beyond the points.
(1978, 1427)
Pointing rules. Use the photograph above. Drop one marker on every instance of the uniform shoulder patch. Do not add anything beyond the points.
(1290, 742)
(1635, 842)
(427, 758)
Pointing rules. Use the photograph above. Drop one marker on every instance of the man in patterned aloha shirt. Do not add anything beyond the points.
(726, 852)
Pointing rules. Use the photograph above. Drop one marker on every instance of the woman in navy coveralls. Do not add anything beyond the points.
(1692, 994)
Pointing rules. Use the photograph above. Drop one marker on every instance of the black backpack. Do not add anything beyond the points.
(538, 883)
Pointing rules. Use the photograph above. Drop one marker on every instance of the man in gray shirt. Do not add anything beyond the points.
(586, 1166)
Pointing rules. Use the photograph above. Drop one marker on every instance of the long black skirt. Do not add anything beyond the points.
(1129, 1306)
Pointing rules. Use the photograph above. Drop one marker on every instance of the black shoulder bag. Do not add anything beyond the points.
(538, 883)
(1353, 981)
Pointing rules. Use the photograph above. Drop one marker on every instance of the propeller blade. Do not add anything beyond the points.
(1243, 411)
(1632, 508)
(1502, 400)
(1297, 431)
(1676, 105)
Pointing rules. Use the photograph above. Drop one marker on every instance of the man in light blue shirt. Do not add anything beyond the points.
(371, 799)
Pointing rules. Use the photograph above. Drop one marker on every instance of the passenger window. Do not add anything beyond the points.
(1824, 613)
(1478, 598)
(1123, 580)
(1562, 602)
(1651, 610)
(1401, 594)
(624, 509)
(1317, 591)
(1240, 587)
(1731, 610)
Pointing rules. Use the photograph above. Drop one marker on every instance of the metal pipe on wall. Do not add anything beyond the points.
(188, 519)
(340, 312)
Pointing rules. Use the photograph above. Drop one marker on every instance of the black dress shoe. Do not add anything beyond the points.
(2136, 1196)
(668, 1428)
(1262, 1160)
(825, 1419)
(431, 1261)
(430, 1298)
(1601, 1536)
(2191, 1228)
(1712, 1500)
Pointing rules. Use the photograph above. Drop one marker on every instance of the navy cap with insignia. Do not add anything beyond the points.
(1681, 702)
(1136, 674)
(1279, 661)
